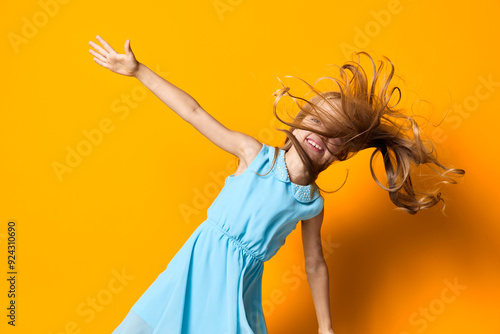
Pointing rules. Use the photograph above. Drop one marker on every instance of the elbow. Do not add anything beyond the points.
(313, 267)
(192, 114)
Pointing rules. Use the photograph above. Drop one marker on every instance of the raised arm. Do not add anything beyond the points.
(239, 144)
(317, 271)
(234, 142)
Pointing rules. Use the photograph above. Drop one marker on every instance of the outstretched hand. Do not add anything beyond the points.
(107, 57)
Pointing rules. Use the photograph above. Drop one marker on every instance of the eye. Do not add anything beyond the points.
(316, 121)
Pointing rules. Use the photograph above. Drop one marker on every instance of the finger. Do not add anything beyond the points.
(99, 48)
(100, 63)
(105, 44)
(97, 55)
(128, 49)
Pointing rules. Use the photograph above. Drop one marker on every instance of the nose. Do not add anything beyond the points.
(331, 143)
(326, 140)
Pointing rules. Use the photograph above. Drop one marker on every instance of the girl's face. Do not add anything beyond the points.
(315, 145)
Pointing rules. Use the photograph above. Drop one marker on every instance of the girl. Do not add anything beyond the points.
(213, 283)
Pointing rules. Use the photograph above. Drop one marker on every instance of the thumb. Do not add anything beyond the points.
(128, 49)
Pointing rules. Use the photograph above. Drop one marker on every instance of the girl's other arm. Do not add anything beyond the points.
(317, 271)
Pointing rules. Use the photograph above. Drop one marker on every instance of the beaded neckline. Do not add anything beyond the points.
(300, 192)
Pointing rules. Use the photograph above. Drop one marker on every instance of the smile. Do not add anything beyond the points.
(315, 146)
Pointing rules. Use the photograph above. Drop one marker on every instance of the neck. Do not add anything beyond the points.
(296, 169)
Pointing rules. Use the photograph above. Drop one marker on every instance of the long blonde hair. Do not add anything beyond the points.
(360, 115)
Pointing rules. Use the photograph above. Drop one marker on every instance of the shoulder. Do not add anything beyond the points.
(250, 148)
(315, 209)
(317, 218)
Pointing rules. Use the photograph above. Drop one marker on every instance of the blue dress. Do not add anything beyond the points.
(213, 283)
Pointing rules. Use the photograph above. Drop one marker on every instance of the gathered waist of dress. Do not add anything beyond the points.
(236, 241)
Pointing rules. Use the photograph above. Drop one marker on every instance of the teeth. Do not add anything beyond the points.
(314, 144)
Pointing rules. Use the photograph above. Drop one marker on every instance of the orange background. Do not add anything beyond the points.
(132, 202)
